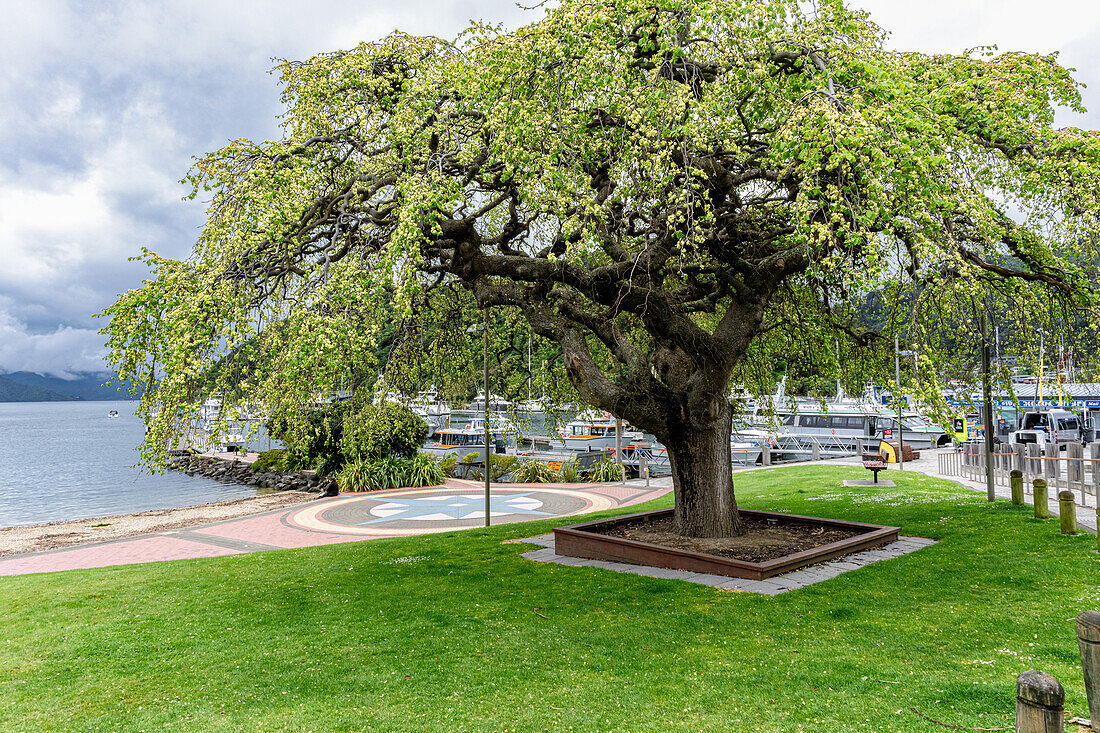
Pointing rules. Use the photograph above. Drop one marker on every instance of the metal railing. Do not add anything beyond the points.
(1065, 469)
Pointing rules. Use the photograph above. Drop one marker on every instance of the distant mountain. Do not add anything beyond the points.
(84, 387)
(12, 391)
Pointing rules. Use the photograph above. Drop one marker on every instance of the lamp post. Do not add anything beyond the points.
(485, 352)
(987, 407)
(898, 353)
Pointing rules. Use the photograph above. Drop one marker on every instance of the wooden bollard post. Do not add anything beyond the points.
(1039, 703)
(1039, 494)
(1067, 512)
(765, 455)
(1016, 478)
(1088, 639)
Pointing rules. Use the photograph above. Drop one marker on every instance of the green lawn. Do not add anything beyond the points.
(447, 632)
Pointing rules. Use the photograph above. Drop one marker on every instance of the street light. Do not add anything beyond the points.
(898, 353)
(485, 332)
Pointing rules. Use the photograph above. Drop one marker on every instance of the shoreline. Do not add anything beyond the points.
(29, 538)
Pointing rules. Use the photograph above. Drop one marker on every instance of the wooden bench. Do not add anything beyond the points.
(874, 462)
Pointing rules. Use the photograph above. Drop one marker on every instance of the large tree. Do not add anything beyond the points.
(657, 186)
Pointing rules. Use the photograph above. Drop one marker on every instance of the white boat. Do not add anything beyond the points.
(112, 413)
(429, 403)
(496, 402)
(595, 430)
(470, 438)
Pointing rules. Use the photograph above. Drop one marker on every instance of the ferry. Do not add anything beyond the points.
(470, 438)
(595, 430)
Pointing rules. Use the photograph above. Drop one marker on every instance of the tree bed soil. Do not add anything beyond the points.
(774, 543)
(763, 540)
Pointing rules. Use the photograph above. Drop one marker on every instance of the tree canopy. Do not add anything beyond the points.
(664, 189)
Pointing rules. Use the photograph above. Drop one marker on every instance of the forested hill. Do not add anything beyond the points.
(14, 392)
(31, 387)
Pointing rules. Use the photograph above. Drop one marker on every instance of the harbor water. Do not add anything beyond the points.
(69, 460)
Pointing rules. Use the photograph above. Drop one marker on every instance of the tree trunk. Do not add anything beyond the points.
(702, 477)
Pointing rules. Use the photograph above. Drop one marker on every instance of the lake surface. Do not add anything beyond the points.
(68, 460)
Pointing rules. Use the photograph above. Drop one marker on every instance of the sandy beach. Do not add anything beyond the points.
(50, 536)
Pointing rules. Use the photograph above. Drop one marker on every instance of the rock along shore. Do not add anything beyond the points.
(240, 472)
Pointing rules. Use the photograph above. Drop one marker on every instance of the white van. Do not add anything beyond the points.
(1049, 426)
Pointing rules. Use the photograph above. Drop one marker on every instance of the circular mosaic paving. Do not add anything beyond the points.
(438, 509)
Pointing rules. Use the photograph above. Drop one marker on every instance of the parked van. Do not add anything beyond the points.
(1049, 426)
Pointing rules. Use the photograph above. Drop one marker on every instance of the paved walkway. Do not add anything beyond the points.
(457, 504)
(348, 518)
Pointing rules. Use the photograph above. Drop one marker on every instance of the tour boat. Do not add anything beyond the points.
(595, 430)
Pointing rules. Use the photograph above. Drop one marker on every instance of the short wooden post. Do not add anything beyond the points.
(815, 451)
(1039, 497)
(1021, 457)
(765, 455)
(1016, 478)
(1039, 703)
(1088, 639)
(1067, 512)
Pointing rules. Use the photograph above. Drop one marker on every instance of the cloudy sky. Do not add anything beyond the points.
(103, 103)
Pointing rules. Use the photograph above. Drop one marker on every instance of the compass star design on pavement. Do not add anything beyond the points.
(455, 506)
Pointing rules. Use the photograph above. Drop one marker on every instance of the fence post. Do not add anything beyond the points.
(1039, 498)
(1039, 703)
(1021, 457)
(1034, 453)
(1075, 466)
(815, 450)
(1094, 454)
(1017, 480)
(1053, 470)
(765, 455)
(1067, 512)
(1088, 639)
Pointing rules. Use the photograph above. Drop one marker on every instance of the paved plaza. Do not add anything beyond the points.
(457, 504)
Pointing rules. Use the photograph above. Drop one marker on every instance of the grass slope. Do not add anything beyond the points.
(444, 633)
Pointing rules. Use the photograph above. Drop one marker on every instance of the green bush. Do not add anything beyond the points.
(532, 471)
(377, 432)
(449, 464)
(313, 437)
(423, 470)
(499, 466)
(271, 460)
(355, 476)
(570, 474)
(471, 457)
(607, 471)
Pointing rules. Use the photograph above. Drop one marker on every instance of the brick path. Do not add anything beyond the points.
(347, 518)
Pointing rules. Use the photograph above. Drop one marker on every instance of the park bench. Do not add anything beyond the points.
(874, 462)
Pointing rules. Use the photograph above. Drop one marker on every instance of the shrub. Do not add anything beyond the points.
(499, 466)
(570, 474)
(389, 473)
(423, 470)
(471, 457)
(532, 471)
(355, 476)
(313, 438)
(377, 432)
(449, 464)
(607, 471)
(271, 460)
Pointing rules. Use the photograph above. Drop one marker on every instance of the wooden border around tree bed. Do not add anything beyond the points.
(579, 540)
